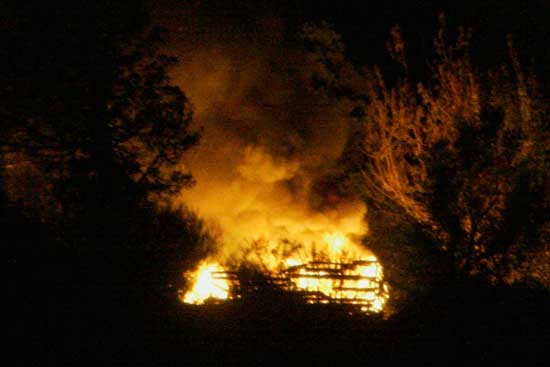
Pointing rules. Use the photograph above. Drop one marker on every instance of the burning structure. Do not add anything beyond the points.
(272, 170)
(325, 280)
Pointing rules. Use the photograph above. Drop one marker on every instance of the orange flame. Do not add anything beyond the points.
(206, 285)
(349, 275)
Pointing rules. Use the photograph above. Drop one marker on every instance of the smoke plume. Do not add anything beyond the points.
(269, 140)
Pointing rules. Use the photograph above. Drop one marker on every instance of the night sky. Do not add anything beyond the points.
(365, 25)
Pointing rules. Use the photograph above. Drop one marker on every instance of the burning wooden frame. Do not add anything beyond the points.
(357, 283)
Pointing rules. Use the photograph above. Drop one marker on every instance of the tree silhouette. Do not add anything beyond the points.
(92, 137)
(88, 103)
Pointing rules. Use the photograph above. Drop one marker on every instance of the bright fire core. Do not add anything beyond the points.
(338, 271)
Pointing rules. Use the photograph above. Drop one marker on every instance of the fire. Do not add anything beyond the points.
(270, 178)
(340, 272)
(270, 218)
(206, 286)
(335, 243)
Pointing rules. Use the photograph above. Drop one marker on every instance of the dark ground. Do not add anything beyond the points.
(84, 326)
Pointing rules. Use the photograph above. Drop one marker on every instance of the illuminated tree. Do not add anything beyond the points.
(463, 157)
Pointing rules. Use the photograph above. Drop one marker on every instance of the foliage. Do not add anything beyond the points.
(93, 134)
(463, 156)
(90, 111)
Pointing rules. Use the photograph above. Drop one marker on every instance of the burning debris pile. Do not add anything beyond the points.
(356, 283)
(332, 277)
(266, 221)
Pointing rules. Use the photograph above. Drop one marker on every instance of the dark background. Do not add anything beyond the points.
(365, 25)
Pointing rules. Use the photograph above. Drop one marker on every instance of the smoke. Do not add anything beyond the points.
(269, 141)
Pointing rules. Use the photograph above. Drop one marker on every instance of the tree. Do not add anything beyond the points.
(92, 140)
(88, 103)
(460, 161)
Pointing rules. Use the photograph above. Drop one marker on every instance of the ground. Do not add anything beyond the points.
(470, 326)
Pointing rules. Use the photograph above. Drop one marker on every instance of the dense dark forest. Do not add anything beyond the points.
(449, 150)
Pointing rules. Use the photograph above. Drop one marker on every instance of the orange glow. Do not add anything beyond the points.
(342, 272)
(264, 224)
(266, 146)
(206, 286)
(335, 242)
